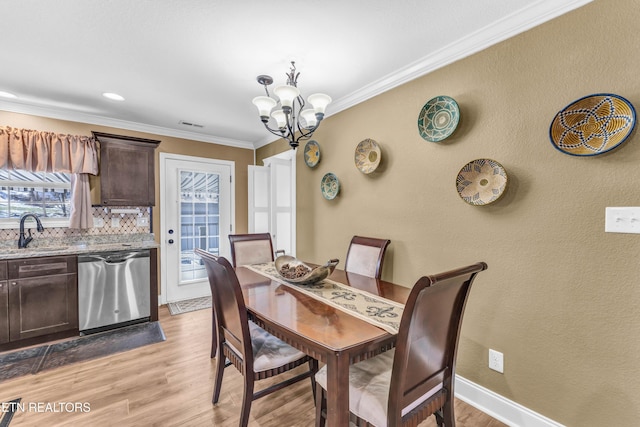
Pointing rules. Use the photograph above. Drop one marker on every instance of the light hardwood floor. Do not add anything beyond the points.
(166, 384)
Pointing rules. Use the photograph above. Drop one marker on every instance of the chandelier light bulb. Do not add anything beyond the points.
(309, 117)
(319, 102)
(287, 95)
(281, 118)
(264, 105)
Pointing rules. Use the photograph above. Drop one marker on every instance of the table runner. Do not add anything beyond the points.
(379, 311)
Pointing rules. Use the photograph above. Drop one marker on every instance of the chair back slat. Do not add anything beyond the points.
(250, 248)
(427, 342)
(230, 310)
(365, 256)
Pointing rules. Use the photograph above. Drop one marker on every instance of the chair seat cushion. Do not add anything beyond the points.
(270, 352)
(369, 383)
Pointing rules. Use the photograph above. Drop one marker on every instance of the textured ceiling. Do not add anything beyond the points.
(197, 60)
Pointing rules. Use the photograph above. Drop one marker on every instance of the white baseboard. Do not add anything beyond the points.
(499, 407)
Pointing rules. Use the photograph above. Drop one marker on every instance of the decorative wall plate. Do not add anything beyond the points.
(438, 118)
(592, 125)
(312, 153)
(330, 186)
(368, 156)
(481, 182)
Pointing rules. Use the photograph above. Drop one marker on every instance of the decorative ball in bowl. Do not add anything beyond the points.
(295, 271)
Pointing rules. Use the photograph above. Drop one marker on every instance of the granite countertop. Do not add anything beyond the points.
(74, 246)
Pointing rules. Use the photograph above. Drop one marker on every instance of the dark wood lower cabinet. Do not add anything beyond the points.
(4, 312)
(42, 306)
(41, 297)
(4, 304)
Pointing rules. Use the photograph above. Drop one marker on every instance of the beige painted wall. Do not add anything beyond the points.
(560, 298)
(241, 157)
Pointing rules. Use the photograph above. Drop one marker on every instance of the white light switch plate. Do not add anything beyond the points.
(622, 220)
(115, 222)
(98, 222)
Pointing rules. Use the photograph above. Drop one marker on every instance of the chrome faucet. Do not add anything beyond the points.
(24, 241)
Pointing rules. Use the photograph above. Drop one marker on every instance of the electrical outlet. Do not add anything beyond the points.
(496, 361)
(115, 222)
(142, 221)
(98, 222)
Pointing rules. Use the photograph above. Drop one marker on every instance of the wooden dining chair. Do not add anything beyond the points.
(366, 255)
(251, 248)
(413, 381)
(253, 351)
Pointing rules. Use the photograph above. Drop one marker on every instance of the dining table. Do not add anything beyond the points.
(319, 329)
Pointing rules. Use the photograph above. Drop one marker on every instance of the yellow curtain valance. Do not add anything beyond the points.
(38, 151)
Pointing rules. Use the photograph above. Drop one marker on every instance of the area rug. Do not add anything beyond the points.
(9, 409)
(42, 358)
(189, 305)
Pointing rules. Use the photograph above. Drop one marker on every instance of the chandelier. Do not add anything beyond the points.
(294, 122)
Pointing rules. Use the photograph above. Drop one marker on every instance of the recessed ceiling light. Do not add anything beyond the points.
(4, 94)
(113, 96)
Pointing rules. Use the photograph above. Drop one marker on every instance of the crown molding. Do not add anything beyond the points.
(60, 114)
(533, 15)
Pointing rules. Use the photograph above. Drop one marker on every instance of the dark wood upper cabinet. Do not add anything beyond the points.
(127, 174)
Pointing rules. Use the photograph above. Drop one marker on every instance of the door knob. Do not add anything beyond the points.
(171, 231)
(170, 241)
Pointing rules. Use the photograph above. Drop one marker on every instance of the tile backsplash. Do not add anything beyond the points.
(127, 223)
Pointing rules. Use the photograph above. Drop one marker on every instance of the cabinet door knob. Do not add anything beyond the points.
(170, 241)
(14, 283)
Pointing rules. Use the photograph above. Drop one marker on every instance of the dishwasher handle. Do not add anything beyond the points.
(114, 257)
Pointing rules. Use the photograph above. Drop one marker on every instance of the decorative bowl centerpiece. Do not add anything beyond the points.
(295, 271)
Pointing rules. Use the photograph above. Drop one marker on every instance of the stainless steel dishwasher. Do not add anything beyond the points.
(113, 289)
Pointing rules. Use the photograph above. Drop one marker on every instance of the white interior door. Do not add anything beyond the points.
(282, 206)
(272, 200)
(196, 212)
(259, 199)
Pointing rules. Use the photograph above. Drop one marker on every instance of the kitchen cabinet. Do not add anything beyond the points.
(127, 171)
(42, 300)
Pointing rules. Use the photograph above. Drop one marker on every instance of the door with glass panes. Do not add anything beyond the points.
(196, 212)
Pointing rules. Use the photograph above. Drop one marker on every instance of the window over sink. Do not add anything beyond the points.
(46, 194)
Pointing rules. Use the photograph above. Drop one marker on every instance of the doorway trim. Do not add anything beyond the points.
(162, 298)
